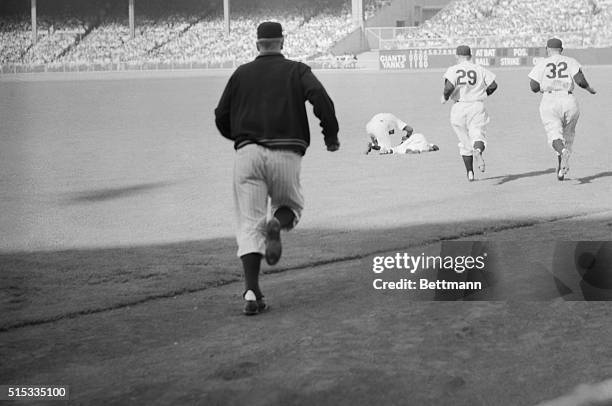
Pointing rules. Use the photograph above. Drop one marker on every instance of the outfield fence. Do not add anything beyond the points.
(438, 58)
(335, 63)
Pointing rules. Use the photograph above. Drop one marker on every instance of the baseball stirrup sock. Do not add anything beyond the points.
(468, 161)
(558, 145)
(479, 145)
(251, 264)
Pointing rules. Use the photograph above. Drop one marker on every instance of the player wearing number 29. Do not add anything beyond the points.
(468, 85)
(555, 77)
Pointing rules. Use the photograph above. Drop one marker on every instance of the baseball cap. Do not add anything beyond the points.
(464, 50)
(269, 30)
(554, 43)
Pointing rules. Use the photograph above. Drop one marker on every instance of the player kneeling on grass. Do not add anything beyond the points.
(468, 85)
(390, 135)
(554, 77)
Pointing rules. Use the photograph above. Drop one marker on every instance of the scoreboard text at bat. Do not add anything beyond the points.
(431, 58)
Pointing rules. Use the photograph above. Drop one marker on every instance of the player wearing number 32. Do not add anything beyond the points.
(555, 76)
(468, 85)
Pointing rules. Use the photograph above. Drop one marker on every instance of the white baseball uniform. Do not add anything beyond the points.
(416, 143)
(559, 109)
(260, 172)
(468, 116)
(388, 131)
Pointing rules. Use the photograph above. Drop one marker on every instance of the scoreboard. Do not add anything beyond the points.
(507, 56)
(431, 58)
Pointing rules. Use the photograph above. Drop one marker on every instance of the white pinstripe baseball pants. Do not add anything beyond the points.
(469, 120)
(559, 113)
(261, 173)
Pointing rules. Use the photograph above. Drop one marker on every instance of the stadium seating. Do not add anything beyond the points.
(581, 23)
(311, 28)
(14, 38)
(196, 35)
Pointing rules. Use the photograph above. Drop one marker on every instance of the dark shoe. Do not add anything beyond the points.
(261, 305)
(274, 247)
(250, 307)
(253, 305)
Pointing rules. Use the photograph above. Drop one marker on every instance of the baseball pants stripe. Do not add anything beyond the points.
(264, 180)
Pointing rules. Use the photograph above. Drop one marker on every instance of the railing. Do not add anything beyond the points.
(113, 66)
(331, 63)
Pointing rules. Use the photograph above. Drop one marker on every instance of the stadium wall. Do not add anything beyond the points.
(408, 59)
(399, 13)
(599, 56)
(333, 63)
(404, 13)
(354, 43)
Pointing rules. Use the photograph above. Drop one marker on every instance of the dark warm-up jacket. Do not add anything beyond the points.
(264, 103)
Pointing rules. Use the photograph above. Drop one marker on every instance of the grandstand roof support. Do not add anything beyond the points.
(226, 15)
(33, 15)
(131, 18)
(358, 14)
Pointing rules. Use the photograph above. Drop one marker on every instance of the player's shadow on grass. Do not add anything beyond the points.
(509, 178)
(98, 195)
(588, 179)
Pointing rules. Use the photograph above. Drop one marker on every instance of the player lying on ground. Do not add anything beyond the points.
(390, 135)
(468, 85)
(554, 77)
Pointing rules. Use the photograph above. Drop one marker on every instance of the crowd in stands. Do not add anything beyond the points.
(373, 6)
(207, 40)
(54, 36)
(15, 38)
(509, 23)
(111, 42)
(311, 27)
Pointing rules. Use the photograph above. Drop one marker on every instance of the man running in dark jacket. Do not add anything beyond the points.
(263, 111)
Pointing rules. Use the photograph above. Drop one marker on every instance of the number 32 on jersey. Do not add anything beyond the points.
(556, 70)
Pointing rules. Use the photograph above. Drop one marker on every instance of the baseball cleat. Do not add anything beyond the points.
(253, 305)
(470, 176)
(261, 305)
(250, 307)
(479, 159)
(564, 164)
(274, 247)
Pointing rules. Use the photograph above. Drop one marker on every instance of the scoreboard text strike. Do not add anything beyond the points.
(432, 58)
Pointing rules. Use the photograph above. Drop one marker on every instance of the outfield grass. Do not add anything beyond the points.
(116, 198)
